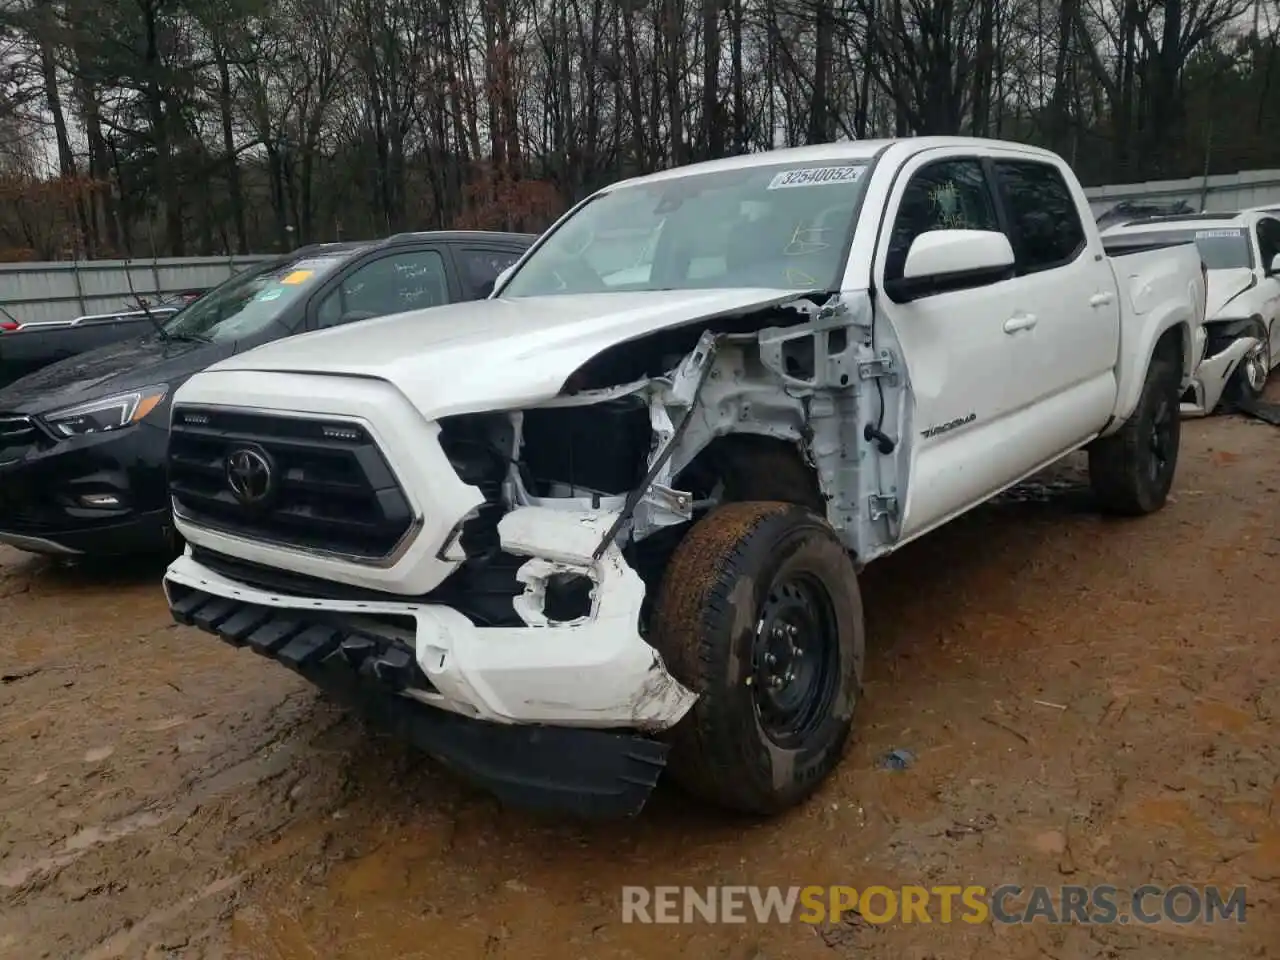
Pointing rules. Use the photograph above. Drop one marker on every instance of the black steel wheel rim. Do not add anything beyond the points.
(795, 658)
(1161, 440)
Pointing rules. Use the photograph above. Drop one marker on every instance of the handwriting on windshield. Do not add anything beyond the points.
(806, 240)
(799, 278)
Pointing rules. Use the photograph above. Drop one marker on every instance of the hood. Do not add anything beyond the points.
(1225, 286)
(114, 368)
(495, 354)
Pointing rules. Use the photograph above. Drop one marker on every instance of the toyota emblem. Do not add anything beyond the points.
(249, 476)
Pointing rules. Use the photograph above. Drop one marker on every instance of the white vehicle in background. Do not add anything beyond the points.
(614, 514)
(1240, 342)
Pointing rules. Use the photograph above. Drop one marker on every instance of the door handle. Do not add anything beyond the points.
(1020, 321)
(1100, 300)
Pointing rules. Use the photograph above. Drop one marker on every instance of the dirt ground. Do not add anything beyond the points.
(1088, 701)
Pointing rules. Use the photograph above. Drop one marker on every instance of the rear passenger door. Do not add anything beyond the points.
(1066, 283)
(479, 266)
(392, 281)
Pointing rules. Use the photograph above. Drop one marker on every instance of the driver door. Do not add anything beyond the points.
(1268, 233)
(969, 354)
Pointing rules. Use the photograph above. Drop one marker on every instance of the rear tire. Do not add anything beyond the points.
(1132, 470)
(759, 614)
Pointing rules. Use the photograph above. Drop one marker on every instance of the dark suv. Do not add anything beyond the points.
(83, 442)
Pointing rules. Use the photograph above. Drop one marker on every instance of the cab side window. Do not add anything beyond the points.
(1043, 217)
(1268, 242)
(480, 268)
(411, 280)
(947, 195)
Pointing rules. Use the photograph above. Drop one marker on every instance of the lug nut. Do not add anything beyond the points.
(770, 659)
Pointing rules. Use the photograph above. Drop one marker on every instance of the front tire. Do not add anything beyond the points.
(759, 613)
(1132, 470)
(1249, 381)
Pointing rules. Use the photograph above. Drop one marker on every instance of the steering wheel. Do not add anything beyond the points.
(575, 273)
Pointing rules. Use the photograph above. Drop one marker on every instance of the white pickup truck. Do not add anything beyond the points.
(609, 521)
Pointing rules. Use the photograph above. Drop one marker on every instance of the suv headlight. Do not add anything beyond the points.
(109, 413)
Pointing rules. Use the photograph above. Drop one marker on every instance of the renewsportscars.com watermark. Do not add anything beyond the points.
(1005, 904)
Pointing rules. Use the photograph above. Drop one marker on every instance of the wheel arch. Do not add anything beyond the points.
(756, 466)
(1169, 339)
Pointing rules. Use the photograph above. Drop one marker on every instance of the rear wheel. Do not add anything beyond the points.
(759, 614)
(1132, 470)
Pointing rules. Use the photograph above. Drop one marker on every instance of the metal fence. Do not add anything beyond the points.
(1218, 194)
(62, 291)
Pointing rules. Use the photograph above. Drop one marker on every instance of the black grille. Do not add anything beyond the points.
(481, 592)
(331, 489)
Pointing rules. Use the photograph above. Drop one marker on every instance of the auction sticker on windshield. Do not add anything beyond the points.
(297, 277)
(815, 176)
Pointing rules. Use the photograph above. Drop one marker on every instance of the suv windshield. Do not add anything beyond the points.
(250, 301)
(1221, 248)
(783, 226)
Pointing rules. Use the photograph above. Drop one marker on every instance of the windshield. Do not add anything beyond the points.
(247, 303)
(1221, 248)
(783, 226)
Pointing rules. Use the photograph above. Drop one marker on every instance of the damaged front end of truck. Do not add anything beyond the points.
(529, 667)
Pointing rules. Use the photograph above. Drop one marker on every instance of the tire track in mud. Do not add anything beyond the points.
(132, 780)
(243, 765)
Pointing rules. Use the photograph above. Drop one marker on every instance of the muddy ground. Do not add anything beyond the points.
(1088, 701)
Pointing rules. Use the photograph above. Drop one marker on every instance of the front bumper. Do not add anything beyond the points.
(587, 773)
(42, 506)
(594, 671)
(1212, 376)
(500, 703)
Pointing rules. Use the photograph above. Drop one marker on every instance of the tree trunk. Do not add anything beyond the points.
(235, 194)
(819, 108)
(739, 90)
(673, 43)
(713, 131)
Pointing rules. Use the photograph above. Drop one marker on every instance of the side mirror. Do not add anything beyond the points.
(943, 260)
(500, 280)
(1275, 264)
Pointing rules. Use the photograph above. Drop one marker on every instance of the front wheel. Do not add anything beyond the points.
(759, 614)
(1132, 470)
(1250, 378)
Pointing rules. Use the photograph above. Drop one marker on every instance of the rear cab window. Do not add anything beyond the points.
(1221, 248)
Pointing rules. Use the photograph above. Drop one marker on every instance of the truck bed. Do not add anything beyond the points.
(1127, 245)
